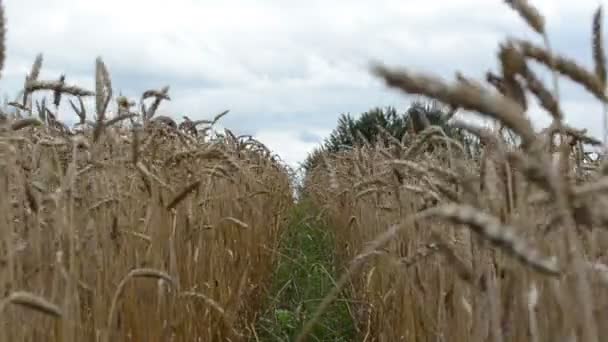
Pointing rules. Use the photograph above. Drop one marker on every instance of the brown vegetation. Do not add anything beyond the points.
(132, 227)
(128, 227)
(507, 245)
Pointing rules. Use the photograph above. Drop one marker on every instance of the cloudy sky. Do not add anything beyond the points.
(285, 69)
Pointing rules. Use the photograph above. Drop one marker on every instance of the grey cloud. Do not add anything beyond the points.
(309, 137)
(281, 67)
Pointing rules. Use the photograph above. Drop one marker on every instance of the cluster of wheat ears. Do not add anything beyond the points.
(505, 245)
(131, 227)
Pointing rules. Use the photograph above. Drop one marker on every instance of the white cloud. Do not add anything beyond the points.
(286, 145)
(282, 68)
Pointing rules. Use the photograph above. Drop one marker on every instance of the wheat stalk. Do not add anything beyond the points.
(529, 13)
(32, 302)
(136, 273)
(463, 95)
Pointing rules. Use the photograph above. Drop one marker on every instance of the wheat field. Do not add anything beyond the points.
(507, 243)
(131, 226)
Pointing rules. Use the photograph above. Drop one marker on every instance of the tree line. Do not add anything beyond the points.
(375, 123)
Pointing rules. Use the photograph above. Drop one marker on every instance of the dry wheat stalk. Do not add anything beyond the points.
(462, 95)
(103, 94)
(159, 96)
(82, 114)
(546, 99)
(33, 302)
(599, 56)
(215, 305)
(36, 67)
(33, 86)
(503, 236)
(565, 66)
(234, 220)
(366, 192)
(529, 13)
(419, 255)
(183, 194)
(136, 273)
(599, 59)
(19, 106)
(461, 268)
(23, 123)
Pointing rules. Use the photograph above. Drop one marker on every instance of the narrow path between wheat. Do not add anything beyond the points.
(305, 273)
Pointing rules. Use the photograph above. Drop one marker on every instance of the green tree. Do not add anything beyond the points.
(350, 132)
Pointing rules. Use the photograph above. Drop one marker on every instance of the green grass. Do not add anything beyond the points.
(305, 274)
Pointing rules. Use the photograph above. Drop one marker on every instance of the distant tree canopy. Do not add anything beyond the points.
(347, 132)
(351, 131)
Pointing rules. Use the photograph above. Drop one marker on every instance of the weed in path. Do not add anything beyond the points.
(304, 274)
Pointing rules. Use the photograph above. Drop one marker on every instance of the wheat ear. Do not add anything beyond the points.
(33, 302)
(136, 273)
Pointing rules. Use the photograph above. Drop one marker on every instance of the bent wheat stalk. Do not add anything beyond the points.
(136, 273)
(32, 302)
(491, 229)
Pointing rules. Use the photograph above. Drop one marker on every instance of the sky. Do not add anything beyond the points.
(286, 70)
